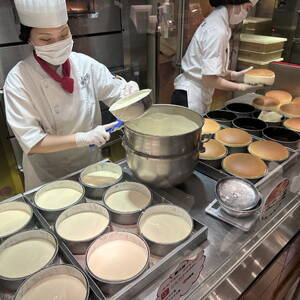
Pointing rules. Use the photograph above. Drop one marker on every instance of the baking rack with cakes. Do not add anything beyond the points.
(114, 231)
(250, 140)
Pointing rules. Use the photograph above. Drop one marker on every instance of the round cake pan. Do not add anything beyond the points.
(237, 193)
(240, 213)
(80, 247)
(250, 125)
(121, 217)
(214, 162)
(92, 191)
(241, 110)
(52, 214)
(13, 283)
(54, 270)
(109, 286)
(282, 135)
(223, 117)
(161, 249)
(17, 205)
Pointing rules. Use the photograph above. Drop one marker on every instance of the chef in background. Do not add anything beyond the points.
(206, 61)
(52, 97)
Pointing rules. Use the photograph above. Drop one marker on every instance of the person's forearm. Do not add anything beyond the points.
(220, 83)
(54, 143)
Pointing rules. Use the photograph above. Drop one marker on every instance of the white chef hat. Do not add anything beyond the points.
(42, 13)
(254, 2)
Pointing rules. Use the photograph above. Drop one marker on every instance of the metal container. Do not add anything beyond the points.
(237, 193)
(52, 214)
(161, 171)
(17, 205)
(126, 218)
(223, 117)
(215, 162)
(139, 104)
(54, 270)
(250, 125)
(240, 213)
(80, 247)
(94, 192)
(109, 286)
(161, 249)
(166, 146)
(13, 283)
(282, 135)
(241, 110)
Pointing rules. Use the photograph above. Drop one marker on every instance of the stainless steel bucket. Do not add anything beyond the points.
(160, 146)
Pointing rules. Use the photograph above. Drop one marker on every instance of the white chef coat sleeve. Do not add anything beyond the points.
(108, 87)
(21, 115)
(214, 46)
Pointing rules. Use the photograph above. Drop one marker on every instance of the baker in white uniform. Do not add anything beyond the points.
(52, 97)
(206, 61)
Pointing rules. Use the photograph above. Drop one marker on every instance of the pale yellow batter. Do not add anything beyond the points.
(101, 178)
(12, 220)
(117, 260)
(25, 258)
(165, 228)
(127, 201)
(58, 198)
(82, 226)
(60, 287)
(161, 124)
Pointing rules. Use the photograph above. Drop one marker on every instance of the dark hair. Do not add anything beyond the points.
(25, 33)
(216, 3)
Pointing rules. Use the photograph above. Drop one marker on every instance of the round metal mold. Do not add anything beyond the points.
(17, 205)
(250, 125)
(157, 248)
(241, 109)
(52, 214)
(112, 286)
(53, 270)
(223, 117)
(126, 217)
(13, 283)
(94, 192)
(80, 246)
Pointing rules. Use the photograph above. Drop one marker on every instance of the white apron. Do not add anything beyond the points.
(207, 54)
(36, 105)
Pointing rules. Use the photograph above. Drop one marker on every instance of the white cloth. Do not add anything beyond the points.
(37, 106)
(42, 13)
(207, 54)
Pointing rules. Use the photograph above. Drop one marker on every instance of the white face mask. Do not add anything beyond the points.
(238, 18)
(56, 53)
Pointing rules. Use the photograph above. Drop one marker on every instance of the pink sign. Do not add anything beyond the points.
(182, 279)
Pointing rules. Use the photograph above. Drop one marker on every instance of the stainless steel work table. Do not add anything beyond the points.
(233, 258)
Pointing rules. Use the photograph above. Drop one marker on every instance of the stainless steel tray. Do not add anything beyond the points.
(39, 223)
(158, 266)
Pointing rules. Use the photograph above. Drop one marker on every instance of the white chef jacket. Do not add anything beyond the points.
(207, 54)
(36, 106)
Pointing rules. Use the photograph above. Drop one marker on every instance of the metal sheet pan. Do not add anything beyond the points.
(158, 267)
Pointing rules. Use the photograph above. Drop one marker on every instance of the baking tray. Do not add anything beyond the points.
(158, 265)
(62, 256)
(273, 167)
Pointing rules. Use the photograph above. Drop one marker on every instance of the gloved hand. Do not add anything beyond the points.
(129, 88)
(249, 88)
(98, 136)
(239, 76)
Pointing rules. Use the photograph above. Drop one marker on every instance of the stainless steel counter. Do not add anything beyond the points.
(233, 258)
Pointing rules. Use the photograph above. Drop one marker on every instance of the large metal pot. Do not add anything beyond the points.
(161, 171)
(166, 146)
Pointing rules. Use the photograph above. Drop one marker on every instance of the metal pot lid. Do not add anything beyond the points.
(237, 193)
